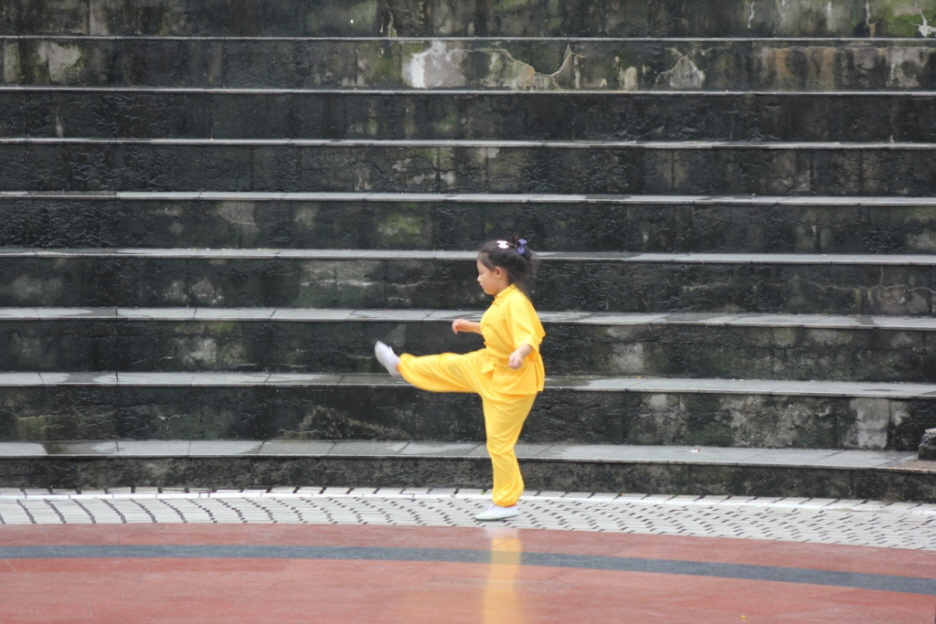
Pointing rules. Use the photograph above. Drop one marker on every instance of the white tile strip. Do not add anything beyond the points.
(819, 521)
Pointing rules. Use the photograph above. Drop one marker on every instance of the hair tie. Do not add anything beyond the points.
(502, 244)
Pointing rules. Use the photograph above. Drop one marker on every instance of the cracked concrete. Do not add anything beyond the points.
(685, 74)
(443, 65)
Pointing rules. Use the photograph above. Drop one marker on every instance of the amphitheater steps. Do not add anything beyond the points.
(720, 190)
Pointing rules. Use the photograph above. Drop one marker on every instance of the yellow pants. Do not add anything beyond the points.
(504, 414)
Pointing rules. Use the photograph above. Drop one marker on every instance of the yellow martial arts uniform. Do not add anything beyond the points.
(507, 395)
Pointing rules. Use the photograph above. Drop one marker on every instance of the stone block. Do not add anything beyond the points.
(927, 448)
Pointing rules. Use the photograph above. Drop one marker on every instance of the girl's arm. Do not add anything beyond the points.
(525, 330)
(461, 325)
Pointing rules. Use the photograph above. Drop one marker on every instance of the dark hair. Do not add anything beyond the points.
(515, 257)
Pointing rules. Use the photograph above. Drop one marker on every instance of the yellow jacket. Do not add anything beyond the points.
(510, 322)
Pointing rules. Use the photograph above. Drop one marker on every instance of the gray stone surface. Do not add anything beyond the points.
(296, 447)
(429, 449)
(611, 453)
(155, 448)
(21, 449)
(355, 447)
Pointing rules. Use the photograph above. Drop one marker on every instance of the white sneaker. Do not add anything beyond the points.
(388, 358)
(496, 512)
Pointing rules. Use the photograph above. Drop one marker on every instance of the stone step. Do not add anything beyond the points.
(595, 167)
(854, 475)
(789, 347)
(586, 281)
(63, 407)
(694, 64)
(719, 18)
(121, 112)
(426, 221)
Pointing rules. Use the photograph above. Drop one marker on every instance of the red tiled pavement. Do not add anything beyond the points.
(502, 589)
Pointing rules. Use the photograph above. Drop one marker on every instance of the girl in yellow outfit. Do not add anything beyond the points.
(507, 373)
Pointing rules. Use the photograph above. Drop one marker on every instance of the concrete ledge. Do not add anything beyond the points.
(663, 470)
(620, 257)
(890, 201)
(696, 455)
(591, 383)
(317, 315)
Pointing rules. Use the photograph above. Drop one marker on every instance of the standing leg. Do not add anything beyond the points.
(503, 422)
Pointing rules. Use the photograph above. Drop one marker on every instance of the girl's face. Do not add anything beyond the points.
(492, 281)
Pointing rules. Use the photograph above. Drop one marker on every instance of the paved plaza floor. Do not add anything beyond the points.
(365, 555)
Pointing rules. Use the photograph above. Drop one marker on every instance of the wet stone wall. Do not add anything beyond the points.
(438, 167)
(520, 18)
(553, 64)
(769, 127)
(680, 224)
(87, 473)
(333, 411)
(592, 345)
(515, 115)
(622, 284)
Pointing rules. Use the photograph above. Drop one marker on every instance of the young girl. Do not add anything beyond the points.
(507, 373)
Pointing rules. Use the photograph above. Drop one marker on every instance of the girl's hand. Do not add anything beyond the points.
(461, 325)
(515, 360)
